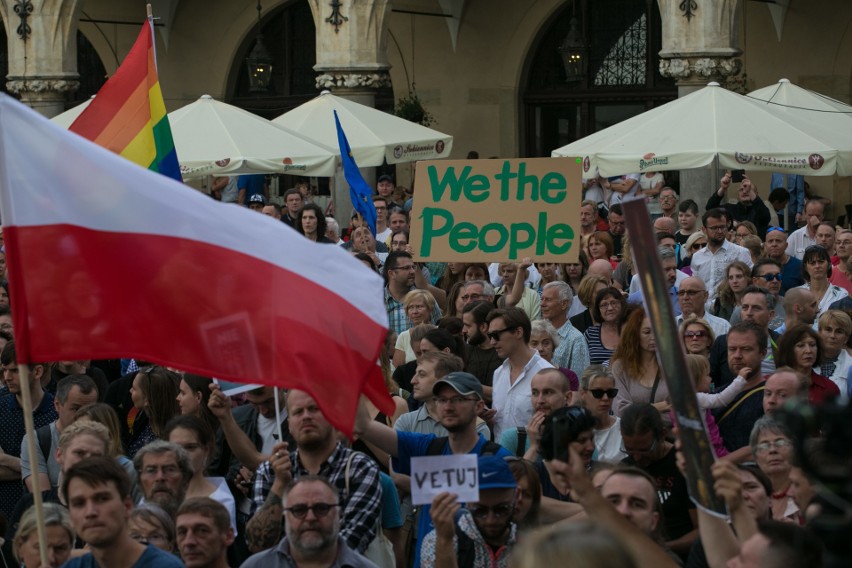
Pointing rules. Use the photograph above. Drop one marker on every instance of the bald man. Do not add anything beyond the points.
(800, 306)
(665, 225)
(785, 383)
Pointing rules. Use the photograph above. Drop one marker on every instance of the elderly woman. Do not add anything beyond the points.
(609, 311)
(697, 335)
(835, 327)
(772, 446)
(801, 348)
(694, 243)
(58, 530)
(419, 306)
(816, 270)
(545, 339)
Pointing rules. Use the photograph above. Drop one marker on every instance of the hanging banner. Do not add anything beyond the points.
(497, 210)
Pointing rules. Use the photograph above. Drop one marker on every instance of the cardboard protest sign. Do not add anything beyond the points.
(497, 210)
(689, 421)
(432, 475)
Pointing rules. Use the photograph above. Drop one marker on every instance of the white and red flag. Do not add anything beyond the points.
(107, 260)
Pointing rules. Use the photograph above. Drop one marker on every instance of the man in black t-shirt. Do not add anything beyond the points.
(644, 442)
(482, 358)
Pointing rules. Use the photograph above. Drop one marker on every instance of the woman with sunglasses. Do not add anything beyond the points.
(597, 392)
(154, 392)
(697, 335)
(816, 270)
(694, 243)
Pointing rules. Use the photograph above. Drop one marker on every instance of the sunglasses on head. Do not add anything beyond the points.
(599, 393)
(770, 229)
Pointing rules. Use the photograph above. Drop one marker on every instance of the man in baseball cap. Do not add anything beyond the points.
(484, 529)
(458, 402)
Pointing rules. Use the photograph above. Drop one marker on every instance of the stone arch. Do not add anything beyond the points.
(621, 79)
(289, 33)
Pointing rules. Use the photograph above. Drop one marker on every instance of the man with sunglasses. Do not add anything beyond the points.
(692, 296)
(312, 513)
(509, 331)
(766, 274)
(481, 533)
(791, 267)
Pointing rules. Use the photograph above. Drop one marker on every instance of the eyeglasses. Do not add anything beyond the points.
(690, 293)
(764, 447)
(689, 334)
(698, 246)
(599, 393)
(771, 276)
(320, 510)
(717, 228)
(495, 335)
(499, 511)
(454, 400)
(409, 267)
(770, 229)
(467, 297)
(608, 305)
(639, 452)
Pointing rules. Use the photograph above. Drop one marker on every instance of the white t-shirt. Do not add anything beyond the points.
(267, 429)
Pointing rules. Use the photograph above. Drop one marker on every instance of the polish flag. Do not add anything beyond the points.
(107, 259)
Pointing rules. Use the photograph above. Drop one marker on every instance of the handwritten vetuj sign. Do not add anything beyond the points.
(432, 475)
(497, 210)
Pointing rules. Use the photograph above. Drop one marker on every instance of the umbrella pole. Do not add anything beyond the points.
(26, 399)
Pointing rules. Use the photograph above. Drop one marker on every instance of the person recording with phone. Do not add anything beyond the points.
(748, 207)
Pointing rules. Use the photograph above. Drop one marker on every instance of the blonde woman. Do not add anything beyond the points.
(419, 306)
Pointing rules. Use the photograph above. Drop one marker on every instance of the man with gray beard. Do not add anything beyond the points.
(312, 513)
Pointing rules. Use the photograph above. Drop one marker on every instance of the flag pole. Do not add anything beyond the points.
(150, 13)
(278, 415)
(29, 428)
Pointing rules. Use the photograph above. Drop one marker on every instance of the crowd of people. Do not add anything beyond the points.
(548, 373)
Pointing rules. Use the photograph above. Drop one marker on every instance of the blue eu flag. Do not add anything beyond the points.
(359, 192)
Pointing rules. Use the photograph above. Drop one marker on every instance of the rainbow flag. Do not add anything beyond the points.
(128, 115)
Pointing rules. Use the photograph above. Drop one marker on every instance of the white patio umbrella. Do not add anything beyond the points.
(67, 118)
(823, 117)
(374, 136)
(692, 131)
(215, 138)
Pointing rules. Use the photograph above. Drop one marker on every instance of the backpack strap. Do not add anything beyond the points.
(522, 442)
(490, 448)
(739, 402)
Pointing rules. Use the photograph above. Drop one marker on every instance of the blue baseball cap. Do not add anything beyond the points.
(494, 473)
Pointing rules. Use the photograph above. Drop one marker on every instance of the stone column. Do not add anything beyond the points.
(42, 38)
(700, 45)
(352, 62)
